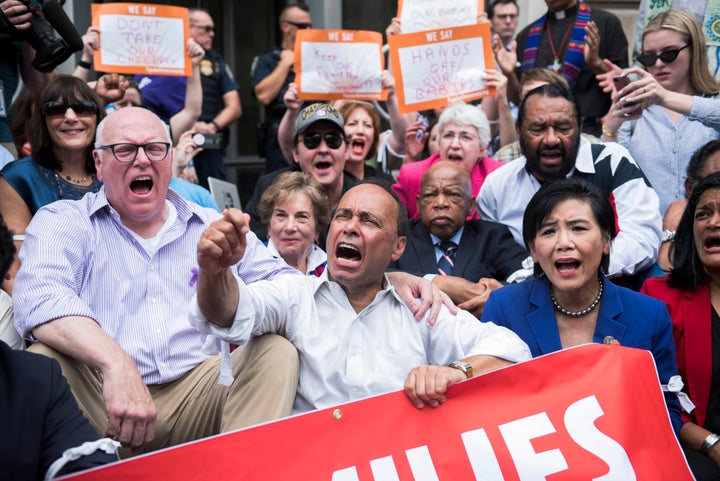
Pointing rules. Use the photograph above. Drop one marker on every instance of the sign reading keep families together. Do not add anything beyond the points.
(590, 412)
(142, 39)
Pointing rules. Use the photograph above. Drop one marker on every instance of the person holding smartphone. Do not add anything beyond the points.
(665, 111)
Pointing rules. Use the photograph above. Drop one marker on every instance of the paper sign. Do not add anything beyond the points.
(440, 67)
(142, 39)
(339, 64)
(420, 15)
(590, 412)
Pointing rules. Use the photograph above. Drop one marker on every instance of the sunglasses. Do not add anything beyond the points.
(668, 56)
(332, 140)
(58, 109)
(205, 28)
(301, 26)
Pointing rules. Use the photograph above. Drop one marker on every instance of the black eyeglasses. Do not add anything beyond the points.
(126, 152)
(300, 25)
(58, 109)
(205, 28)
(332, 139)
(506, 16)
(668, 56)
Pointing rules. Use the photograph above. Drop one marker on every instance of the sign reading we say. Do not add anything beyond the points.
(339, 64)
(420, 15)
(440, 67)
(142, 39)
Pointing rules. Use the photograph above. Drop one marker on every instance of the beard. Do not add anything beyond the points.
(543, 172)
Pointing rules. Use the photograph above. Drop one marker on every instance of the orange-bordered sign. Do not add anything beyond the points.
(591, 412)
(437, 68)
(339, 64)
(137, 38)
(421, 15)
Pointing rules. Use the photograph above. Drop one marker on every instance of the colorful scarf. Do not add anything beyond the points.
(574, 57)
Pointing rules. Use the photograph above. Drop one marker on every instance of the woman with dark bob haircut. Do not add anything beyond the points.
(568, 228)
(692, 295)
(62, 132)
(296, 209)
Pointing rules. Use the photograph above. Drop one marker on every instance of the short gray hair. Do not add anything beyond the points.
(101, 126)
(466, 114)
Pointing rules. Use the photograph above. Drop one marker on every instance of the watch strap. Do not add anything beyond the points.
(463, 366)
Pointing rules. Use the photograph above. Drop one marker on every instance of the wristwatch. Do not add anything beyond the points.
(463, 366)
(709, 443)
(668, 235)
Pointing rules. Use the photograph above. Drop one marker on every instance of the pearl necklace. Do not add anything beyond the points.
(583, 312)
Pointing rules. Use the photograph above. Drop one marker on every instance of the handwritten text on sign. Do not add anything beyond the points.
(339, 64)
(420, 15)
(137, 38)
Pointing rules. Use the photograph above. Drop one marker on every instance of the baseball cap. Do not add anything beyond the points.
(315, 113)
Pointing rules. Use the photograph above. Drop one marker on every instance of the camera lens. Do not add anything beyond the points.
(199, 139)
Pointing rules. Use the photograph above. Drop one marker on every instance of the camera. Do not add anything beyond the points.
(208, 141)
(50, 50)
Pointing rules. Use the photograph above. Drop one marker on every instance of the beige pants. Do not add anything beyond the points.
(195, 405)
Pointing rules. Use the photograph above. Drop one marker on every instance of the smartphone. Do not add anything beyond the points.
(424, 121)
(620, 82)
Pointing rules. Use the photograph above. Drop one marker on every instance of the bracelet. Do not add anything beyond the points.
(217, 127)
(709, 443)
(609, 135)
(84, 64)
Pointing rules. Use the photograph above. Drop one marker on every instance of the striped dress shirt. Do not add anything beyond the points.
(78, 259)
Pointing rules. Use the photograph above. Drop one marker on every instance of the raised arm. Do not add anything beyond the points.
(268, 88)
(286, 129)
(186, 118)
(398, 124)
(91, 43)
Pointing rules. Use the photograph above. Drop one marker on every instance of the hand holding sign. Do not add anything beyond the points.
(338, 64)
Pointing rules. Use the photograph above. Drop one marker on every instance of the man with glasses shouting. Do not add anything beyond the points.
(270, 75)
(319, 148)
(105, 287)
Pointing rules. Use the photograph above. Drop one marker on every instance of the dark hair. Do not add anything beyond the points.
(402, 216)
(66, 89)
(551, 90)
(553, 193)
(7, 248)
(491, 8)
(698, 160)
(687, 269)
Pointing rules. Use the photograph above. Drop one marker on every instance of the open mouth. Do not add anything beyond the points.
(358, 146)
(455, 158)
(567, 265)
(347, 252)
(323, 165)
(712, 243)
(141, 185)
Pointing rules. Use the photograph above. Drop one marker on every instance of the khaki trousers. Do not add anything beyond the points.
(195, 406)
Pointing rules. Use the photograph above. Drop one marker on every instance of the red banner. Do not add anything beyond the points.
(591, 412)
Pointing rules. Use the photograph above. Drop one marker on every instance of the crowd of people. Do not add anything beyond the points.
(579, 204)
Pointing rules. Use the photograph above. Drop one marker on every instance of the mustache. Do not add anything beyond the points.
(555, 148)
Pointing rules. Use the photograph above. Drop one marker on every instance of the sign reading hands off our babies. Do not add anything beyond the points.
(142, 39)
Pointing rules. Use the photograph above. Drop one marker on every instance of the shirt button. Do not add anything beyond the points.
(154, 300)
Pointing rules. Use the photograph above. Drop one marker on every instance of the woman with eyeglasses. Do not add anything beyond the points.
(672, 108)
(62, 132)
(463, 137)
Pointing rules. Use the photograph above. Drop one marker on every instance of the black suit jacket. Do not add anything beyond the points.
(39, 418)
(486, 249)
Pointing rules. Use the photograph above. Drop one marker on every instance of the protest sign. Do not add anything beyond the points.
(421, 15)
(440, 67)
(590, 412)
(142, 39)
(339, 64)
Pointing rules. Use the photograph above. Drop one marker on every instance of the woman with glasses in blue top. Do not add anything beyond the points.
(62, 132)
(671, 107)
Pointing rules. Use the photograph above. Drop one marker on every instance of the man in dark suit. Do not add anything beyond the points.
(40, 418)
(466, 259)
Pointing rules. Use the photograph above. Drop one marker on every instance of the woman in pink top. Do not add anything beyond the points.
(463, 133)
